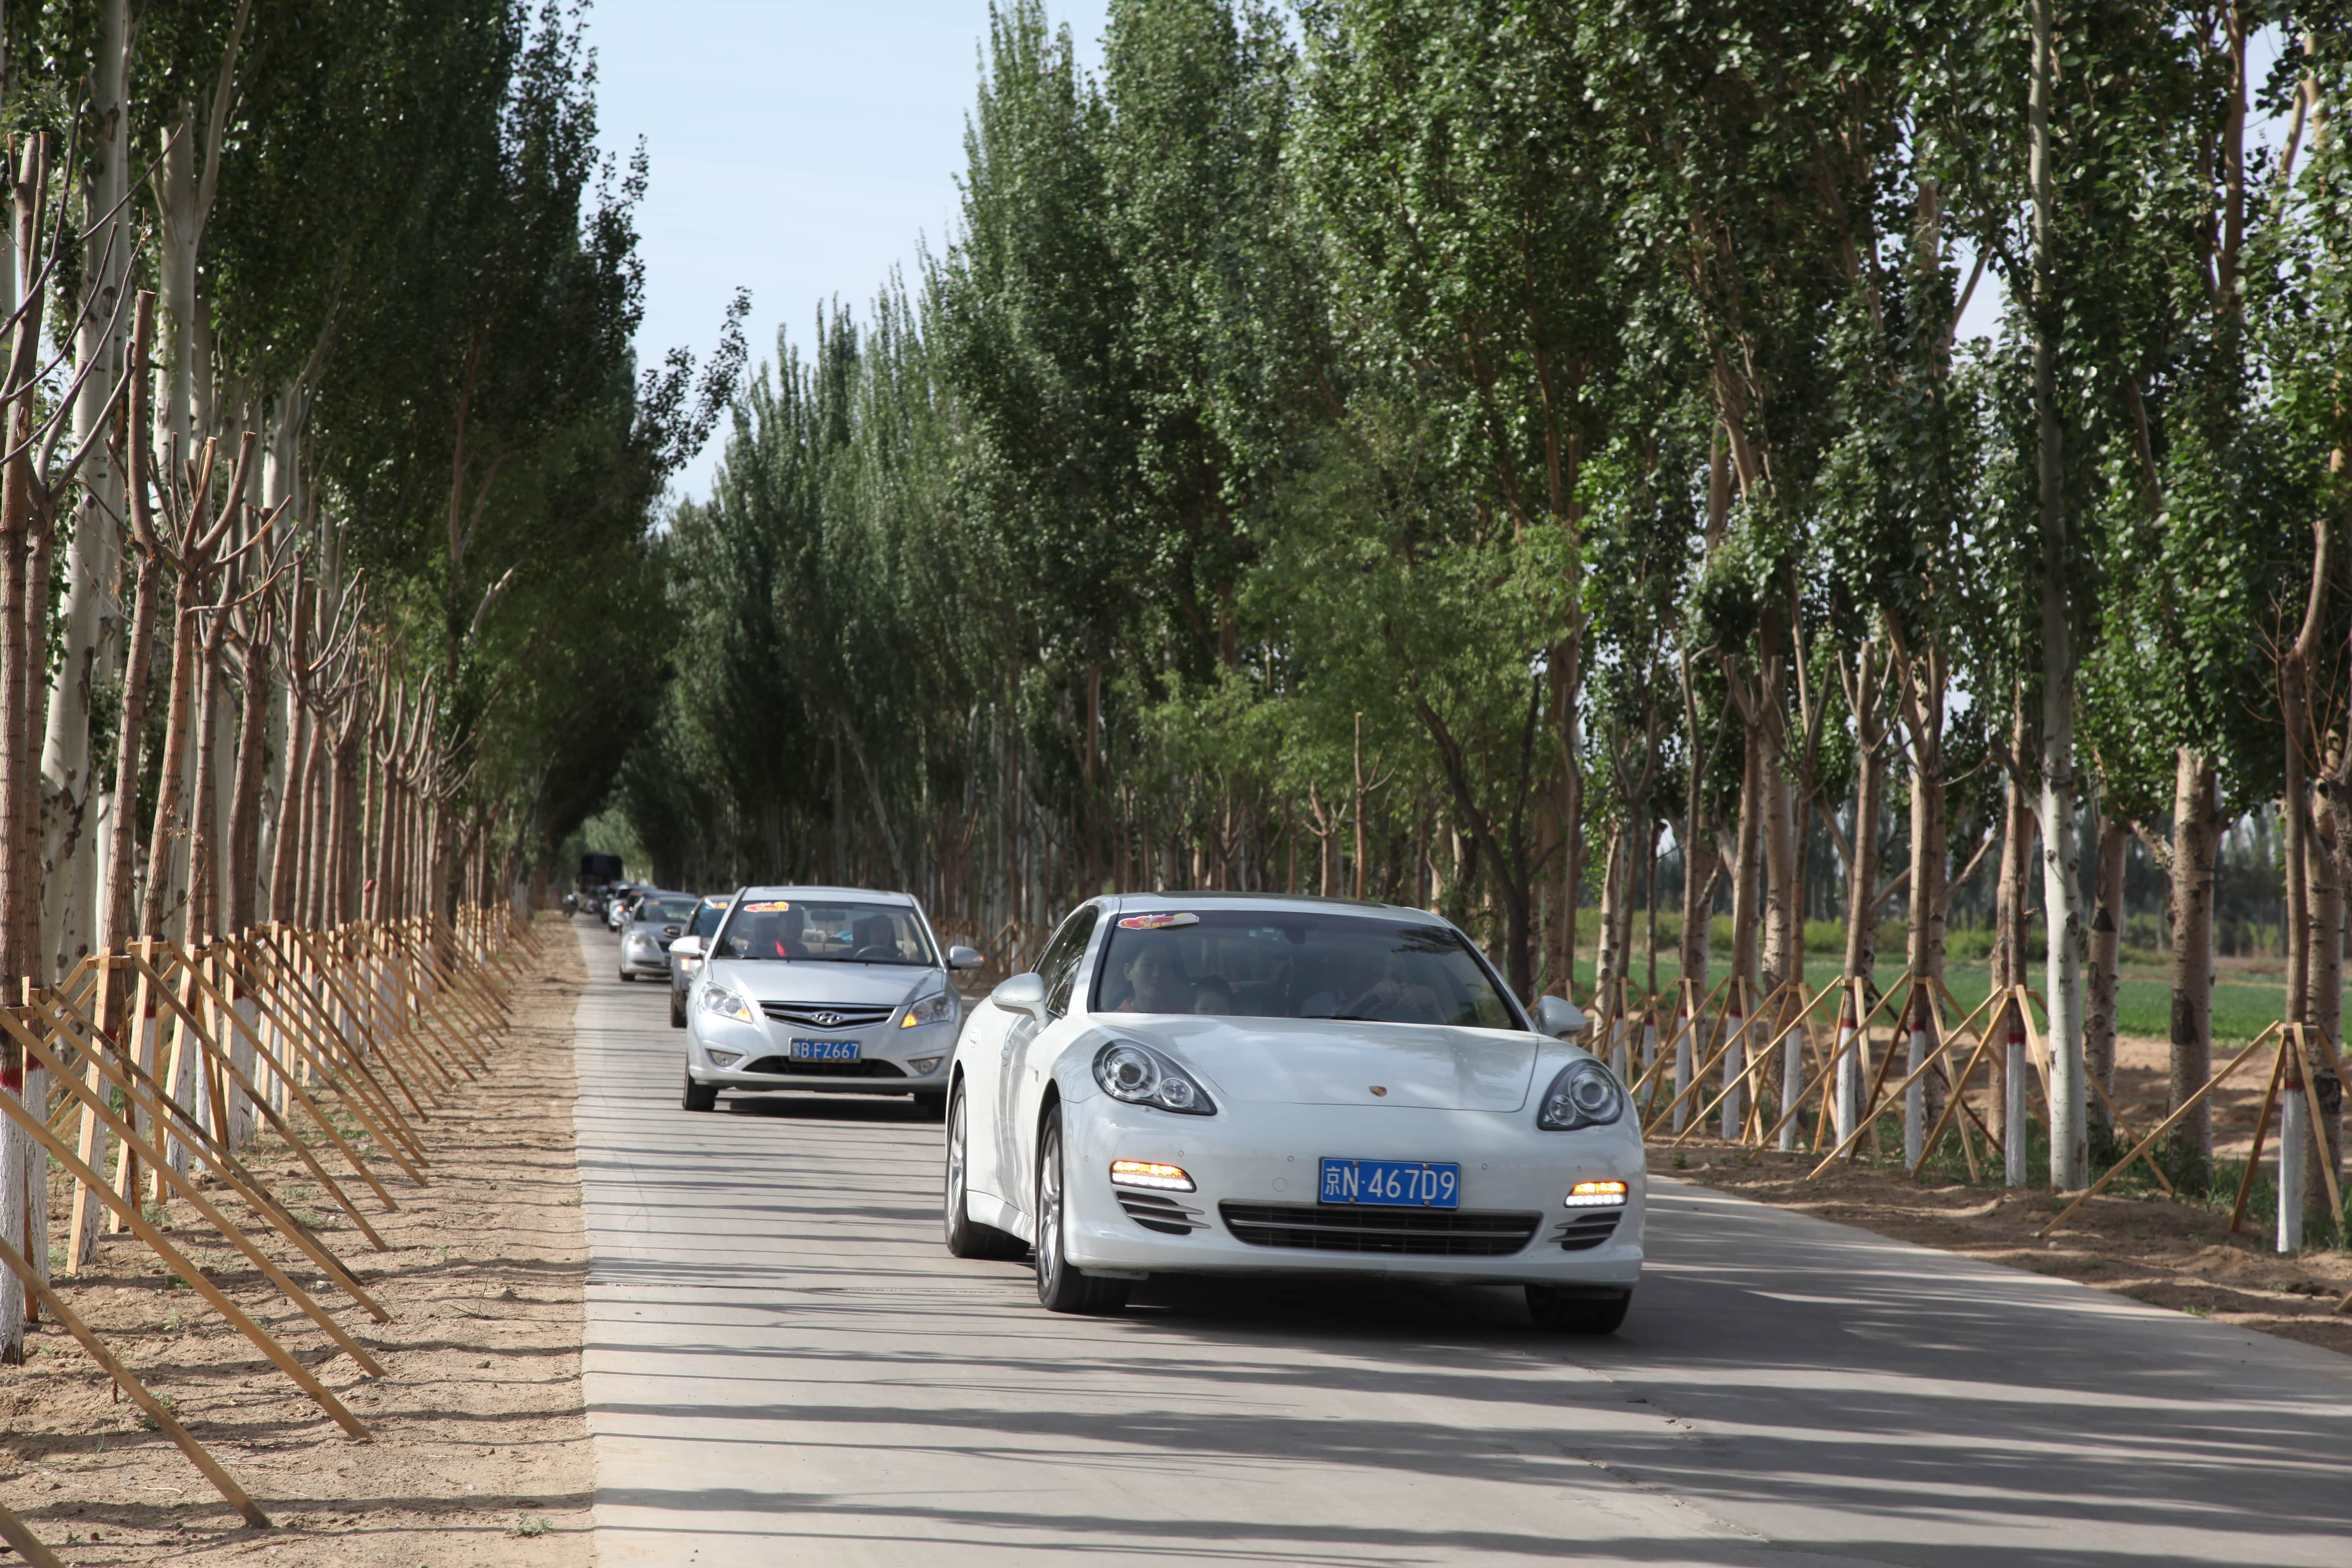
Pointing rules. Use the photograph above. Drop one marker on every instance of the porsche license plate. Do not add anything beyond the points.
(1393, 1184)
(824, 1050)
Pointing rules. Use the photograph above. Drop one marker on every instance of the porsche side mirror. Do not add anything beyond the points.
(1022, 993)
(1561, 1020)
(687, 947)
(965, 958)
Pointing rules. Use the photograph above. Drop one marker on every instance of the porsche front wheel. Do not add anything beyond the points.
(1060, 1287)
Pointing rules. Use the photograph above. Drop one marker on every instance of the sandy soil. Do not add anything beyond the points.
(481, 1451)
(2177, 1255)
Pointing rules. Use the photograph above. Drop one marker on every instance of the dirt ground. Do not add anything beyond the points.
(2170, 1254)
(481, 1452)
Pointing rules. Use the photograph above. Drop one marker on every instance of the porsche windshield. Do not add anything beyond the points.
(1289, 964)
(825, 931)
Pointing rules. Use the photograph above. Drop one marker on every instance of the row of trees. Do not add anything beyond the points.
(325, 466)
(1466, 452)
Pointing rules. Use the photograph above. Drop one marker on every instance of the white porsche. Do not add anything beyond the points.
(1206, 1083)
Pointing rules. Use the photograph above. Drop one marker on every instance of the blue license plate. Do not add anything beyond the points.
(1393, 1184)
(824, 1050)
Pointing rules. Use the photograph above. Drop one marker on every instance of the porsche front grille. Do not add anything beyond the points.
(1156, 1211)
(1436, 1233)
(1587, 1230)
(826, 1014)
(787, 1067)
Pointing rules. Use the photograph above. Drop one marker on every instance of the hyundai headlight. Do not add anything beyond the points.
(727, 1004)
(1141, 1076)
(1583, 1094)
(935, 1009)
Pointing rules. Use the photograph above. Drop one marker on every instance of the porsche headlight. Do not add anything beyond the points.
(938, 1009)
(1584, 1094)
(1141, 1076)
(727, 1004)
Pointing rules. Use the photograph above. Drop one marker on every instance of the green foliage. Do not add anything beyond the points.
(1389, 454)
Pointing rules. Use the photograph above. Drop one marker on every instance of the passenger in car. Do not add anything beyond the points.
(1157, 982)
(1212, 995)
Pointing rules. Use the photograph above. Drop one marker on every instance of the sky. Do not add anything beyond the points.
(798, 149)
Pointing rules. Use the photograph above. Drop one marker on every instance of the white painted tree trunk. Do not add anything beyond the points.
(2062, 882)
(1846, 1085)
(2013, 1114)
(1685, 1043)
(1914, 1094)
(37, 1177)
(1734, 1062)
(2294, 1123)
(88, 640)
(1792, 1085)
(16, 1172)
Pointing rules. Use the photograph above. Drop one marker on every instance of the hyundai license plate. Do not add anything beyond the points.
(824, 1050)
(1393, 1184)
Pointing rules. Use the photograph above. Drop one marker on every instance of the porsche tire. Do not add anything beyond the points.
(1060, 1287)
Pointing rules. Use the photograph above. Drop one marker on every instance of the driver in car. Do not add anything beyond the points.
(1157, 983)
(1396, 996)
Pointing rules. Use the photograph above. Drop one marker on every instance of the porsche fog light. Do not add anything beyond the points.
(1584, 1094)
(1141, 1076)
(1149, 1173)
(727, 1004)
(1596, 1196)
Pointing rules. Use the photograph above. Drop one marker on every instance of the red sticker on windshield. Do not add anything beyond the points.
(1157, 922)
(765, 909)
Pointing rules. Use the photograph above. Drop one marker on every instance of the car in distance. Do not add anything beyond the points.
(839, 989)
(685, 966)
(1233, 1084)
(658, 919)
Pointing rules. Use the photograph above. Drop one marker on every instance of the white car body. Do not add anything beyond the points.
(868, 1003)
(1291, 1093)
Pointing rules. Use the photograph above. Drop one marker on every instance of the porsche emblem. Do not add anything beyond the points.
(828, 1020)
(1377, 1090)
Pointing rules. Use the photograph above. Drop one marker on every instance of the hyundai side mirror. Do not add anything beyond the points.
(965, 958)
(1560, 1019)
(1022, 993)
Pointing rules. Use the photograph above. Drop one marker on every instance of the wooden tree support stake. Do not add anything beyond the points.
(26, 1543)
(2163, 1127)
(196, 1278)
(55, 1305)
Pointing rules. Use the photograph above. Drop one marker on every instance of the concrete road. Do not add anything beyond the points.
(783, 1366)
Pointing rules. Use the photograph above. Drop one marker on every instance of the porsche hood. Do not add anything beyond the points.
(1324, 1061)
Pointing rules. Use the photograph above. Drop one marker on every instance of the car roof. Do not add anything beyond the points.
(802, 890)
(1128, 903)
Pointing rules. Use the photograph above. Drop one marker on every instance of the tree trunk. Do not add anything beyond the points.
(68, 792)
(2323, 995)
(1869, 783)
(2101, 985)
(171, 771)
(245, 811)
(2195, 843)
(2009, 962)
(2062, 897)
(1784, 923)
(1745, 870)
